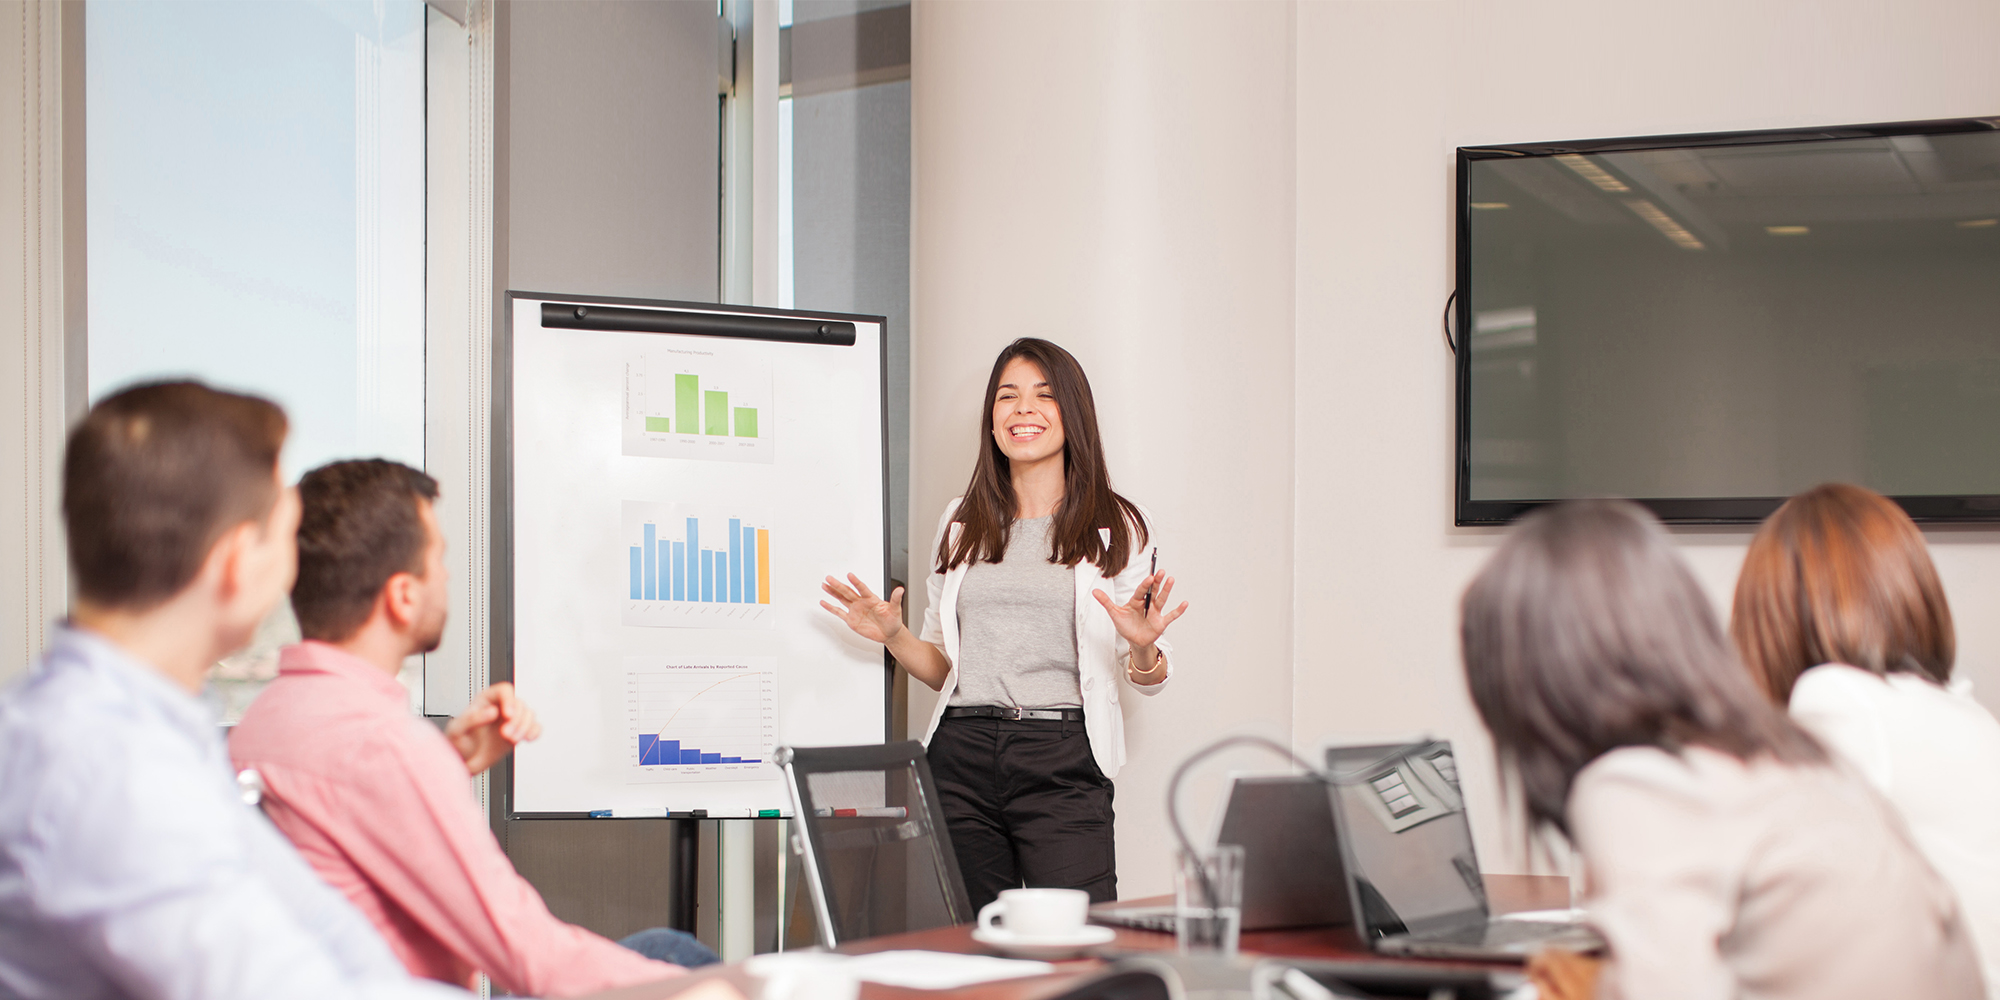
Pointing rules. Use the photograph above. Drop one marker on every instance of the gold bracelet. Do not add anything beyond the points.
(1159, 661)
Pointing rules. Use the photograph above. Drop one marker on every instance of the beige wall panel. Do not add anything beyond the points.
(1117, 178)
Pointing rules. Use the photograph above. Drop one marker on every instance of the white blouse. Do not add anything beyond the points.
(1100, 651)
(1934, 753)
(1713, 879)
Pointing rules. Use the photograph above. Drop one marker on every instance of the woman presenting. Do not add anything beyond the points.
(1027, 735)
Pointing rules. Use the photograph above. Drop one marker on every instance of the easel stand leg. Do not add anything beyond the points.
(684, 887)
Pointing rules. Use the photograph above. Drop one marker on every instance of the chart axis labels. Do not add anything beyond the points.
(699, 720)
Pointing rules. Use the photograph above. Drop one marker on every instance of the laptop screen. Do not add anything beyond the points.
(1291, 856)
(1408, 843)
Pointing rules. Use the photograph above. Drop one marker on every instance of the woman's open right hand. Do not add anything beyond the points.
(869, 616)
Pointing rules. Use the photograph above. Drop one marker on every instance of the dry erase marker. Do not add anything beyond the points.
(1155, 569)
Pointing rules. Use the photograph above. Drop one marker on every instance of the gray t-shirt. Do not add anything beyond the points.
(1017, 627)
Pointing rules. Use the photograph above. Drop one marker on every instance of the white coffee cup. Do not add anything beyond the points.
(1038, 914)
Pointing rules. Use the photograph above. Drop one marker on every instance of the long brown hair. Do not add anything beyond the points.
(1585, 633)
(1088, 502)
(1840, 575)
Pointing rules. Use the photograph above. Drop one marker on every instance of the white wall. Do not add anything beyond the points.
(1203, 198)
(1118, 179)
(1386, 91)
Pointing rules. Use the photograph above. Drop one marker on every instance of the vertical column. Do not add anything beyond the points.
(652, 565)
(750, 574)
(666, 570)
(687, 403)
(763, 566)
(718, 413)
(638, 570)
(694, 559)
(680, 571)
(735, 561)
(1136, 153)
(707, 575)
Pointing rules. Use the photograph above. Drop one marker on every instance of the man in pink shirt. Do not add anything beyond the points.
(376, 799)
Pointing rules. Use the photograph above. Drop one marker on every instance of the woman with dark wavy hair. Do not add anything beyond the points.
(1045, 603)
(1725, 857)
(1841, 617)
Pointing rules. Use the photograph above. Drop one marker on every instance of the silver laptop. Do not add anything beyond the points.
(1291, 863)
(1413, 879)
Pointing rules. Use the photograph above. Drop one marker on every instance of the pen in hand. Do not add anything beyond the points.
(1147, 608)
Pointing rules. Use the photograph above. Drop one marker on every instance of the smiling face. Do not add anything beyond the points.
(1026, 422)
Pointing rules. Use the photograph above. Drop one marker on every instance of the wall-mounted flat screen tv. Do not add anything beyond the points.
(1711, 323)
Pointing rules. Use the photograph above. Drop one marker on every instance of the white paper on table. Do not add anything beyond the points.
(1570, 916)
(910, 969)
(939, 970)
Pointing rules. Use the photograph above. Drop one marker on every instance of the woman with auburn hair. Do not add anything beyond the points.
(1726, 858)
(1028, 735)
(1840, 616)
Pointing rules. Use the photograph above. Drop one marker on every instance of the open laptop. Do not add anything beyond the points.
(1412, 877)
(1291, 863)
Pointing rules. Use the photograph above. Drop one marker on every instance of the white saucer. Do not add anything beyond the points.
(1087, 937)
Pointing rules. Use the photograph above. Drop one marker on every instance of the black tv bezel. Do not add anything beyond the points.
(1673, 510)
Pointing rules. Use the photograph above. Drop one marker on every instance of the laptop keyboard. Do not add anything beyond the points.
(1500, 933)
(1145, 918)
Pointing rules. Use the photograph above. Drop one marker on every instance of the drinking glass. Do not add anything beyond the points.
(1208, 899)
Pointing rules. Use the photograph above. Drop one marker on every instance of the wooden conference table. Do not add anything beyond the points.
(1506, 894)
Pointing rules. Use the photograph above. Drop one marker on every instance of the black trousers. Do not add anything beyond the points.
(1026, 805)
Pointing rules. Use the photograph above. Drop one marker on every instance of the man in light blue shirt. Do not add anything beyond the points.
(130, 865)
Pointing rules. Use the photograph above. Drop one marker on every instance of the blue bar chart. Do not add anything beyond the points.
(696, 566)
(693, 720)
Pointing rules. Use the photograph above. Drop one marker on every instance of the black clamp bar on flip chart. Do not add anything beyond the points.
(784, 329)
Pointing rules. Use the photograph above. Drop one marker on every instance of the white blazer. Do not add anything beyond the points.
(1930, 749)
(1100, 650)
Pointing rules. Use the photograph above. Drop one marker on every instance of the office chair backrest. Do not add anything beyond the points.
(871, 830)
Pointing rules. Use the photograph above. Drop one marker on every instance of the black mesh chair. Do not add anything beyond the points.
(870, 830)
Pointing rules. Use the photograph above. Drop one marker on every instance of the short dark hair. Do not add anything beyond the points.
(153, 476)
(1840, 574)
(359, 525)
(1585, 633)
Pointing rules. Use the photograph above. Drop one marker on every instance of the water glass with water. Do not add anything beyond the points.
(1208, 899)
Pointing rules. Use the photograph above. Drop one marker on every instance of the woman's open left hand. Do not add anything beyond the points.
(1139, 626)
(869, 616)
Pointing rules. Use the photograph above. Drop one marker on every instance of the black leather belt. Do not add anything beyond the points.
(996, 712)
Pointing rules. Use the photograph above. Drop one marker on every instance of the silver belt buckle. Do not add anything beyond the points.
(1017, 714)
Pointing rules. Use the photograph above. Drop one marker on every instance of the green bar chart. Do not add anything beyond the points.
(680, 404)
